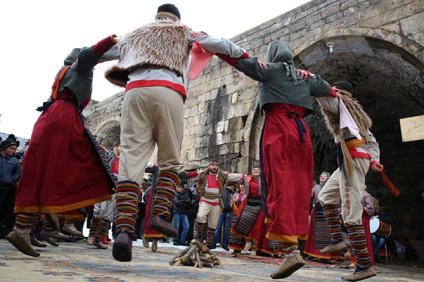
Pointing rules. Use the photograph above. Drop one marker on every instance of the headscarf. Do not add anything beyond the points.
(279, 51)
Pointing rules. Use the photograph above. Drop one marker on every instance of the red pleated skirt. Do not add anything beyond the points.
(61, 171)
(288, 167)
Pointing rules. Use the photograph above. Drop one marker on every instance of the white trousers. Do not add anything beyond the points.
(336, 189)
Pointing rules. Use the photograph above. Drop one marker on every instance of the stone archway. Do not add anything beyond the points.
(108, 133)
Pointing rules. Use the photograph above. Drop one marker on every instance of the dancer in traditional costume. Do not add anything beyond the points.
(63, 169)
(357, 152)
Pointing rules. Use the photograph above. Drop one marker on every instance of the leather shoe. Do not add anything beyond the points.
(37, 243)
(21, 244)
(360, 275)
(163, 227)
(145, 242)
(54, 234)
(155, 246)
(122, 247)
(332, 248)
(70, 231)
(99, 244)
(51, 241)
(291, 263)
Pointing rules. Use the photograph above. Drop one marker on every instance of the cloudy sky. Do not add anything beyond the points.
(37, 35)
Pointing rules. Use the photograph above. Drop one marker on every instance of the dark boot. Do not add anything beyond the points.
(200, 231)
(122, 247)
(209, 236)
(35, 242)
(162, 203)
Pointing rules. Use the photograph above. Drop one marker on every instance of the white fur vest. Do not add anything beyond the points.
(363, 121)
(163, 43)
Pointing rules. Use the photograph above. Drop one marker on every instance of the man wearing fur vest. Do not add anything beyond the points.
(152, 63)
(210, 186)
(357, 152)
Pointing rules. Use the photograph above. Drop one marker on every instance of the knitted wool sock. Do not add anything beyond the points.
(289, 247)
(358, 241)
(127, 195)
(164, 194)
(94, 227)
(25, 221)
(103, 228)
(333, 223)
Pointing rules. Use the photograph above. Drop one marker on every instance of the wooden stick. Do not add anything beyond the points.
(193, 260)
(216, 261)
(202, 247)
(188, 253)
(206, 257)
(181, 253)
(197, 256)
(208, 264)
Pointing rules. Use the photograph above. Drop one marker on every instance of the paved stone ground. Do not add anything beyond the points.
(80, 262)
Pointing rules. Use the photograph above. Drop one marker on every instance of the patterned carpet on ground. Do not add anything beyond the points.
(277, 261)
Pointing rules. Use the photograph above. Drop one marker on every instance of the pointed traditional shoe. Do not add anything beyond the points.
(155, 246)
(122, 247)
(90, 241)
(160, 225)
(99, 244)
(54, 234)
(360, 275)
(37, 243)
(51, 241)
(145, 242)
(21, 244)
(332, 248)
(291, 263)
(70, 231)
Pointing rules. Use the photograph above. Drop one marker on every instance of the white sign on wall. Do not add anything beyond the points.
(412, 128)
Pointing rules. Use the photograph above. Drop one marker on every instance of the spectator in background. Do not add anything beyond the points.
(224, 219)
(192, 213)
(181, 207)
(318, 232)
(10, 173)
(139, 226)
(26, 147)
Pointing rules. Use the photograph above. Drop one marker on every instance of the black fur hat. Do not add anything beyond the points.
(168, 11)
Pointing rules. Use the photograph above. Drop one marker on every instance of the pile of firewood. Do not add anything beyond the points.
(197, 255)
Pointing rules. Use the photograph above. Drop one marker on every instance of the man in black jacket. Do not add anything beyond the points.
(181, 207)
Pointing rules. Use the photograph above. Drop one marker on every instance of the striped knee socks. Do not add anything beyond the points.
(164, 194)
(333, 222)
(358, 241)
(127, 195)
